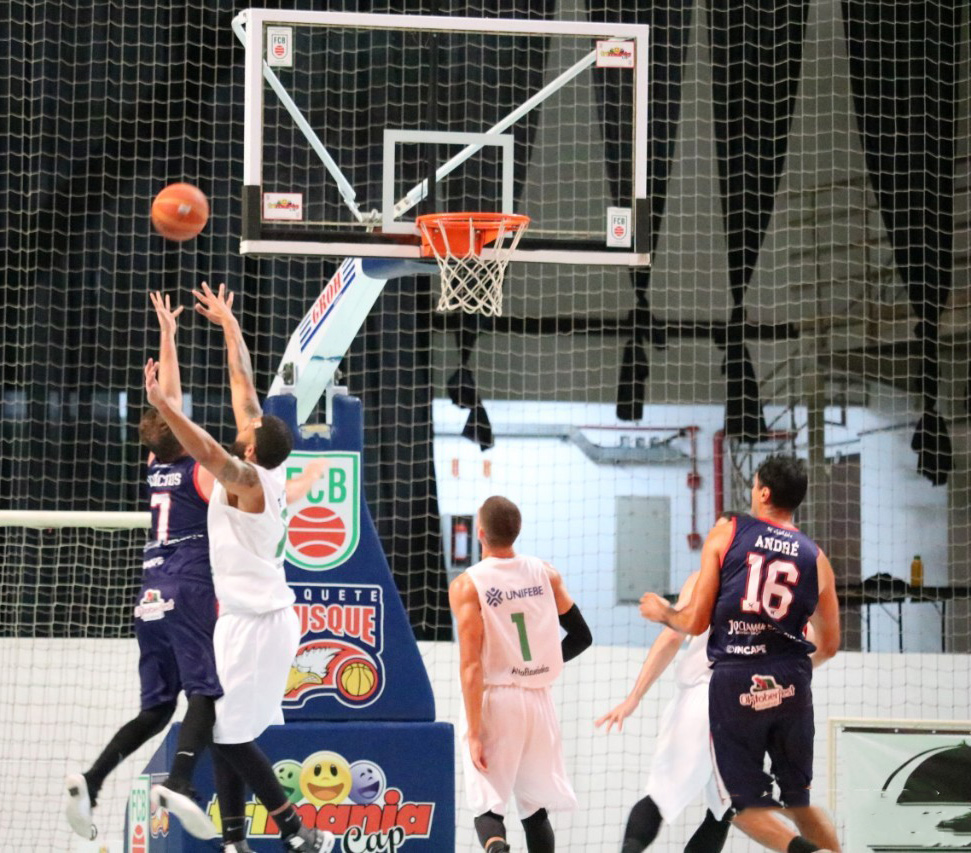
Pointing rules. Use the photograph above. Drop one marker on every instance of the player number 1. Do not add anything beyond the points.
(519, 620)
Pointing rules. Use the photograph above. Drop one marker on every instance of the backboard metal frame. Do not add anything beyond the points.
(261, 238)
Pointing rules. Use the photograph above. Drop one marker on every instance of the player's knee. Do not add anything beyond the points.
(488, 826)
(153, 720)
(643, 825)
(539, 832)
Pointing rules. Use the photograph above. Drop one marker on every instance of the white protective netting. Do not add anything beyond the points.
(841, 267)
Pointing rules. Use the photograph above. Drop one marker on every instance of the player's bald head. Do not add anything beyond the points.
(500, 522)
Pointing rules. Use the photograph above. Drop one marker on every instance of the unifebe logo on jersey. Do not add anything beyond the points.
(341, 640)
(325, 528)
(354, 800)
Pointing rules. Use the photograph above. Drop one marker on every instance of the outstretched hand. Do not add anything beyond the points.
(152, 389)
(617, 716)
(216, 307)
(163, 310)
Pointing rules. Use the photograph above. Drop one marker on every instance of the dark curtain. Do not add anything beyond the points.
(756, 54)
(903, 60)
(114, 103)
(671, 22)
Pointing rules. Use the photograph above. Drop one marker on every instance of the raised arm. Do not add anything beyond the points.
(825, 620)
(168, 362)
(298, 487)
(464, 602)
(217, 307)
(238, 477)
(663, 650)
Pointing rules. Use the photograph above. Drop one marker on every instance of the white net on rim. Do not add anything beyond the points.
(472, 279)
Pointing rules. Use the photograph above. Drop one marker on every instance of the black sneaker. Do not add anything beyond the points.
(180, 799)
(960, 825)
(498, 847)
(310, 841)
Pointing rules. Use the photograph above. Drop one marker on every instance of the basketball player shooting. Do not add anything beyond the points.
(761, 582)
(508, 610)
(682, 767)
(176, 614)
(257, 633)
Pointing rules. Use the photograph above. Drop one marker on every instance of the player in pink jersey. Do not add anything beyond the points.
(508, 610)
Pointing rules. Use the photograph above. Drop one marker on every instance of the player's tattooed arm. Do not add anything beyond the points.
(217, 308)
(237, 476)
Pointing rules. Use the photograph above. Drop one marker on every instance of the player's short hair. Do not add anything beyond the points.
(156, 435)
(500, 521)
(273, 441)
(786, 479)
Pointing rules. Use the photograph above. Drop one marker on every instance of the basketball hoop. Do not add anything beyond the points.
(471, 282)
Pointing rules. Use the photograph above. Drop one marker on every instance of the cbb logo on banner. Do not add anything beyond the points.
(341, 641)
(325, 528)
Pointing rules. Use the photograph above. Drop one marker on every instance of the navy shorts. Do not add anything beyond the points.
(759, 709)
(174, 621)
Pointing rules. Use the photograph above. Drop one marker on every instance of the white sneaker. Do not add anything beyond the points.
(311, 841)
(78, 808)
(194, 820)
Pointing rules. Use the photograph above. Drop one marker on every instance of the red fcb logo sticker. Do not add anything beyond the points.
(138, 839)
(619, 230)
(279, 49)
(317, 532)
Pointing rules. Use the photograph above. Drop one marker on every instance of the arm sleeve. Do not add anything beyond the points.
(578, 636)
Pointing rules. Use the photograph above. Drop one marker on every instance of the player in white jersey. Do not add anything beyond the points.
(257, 632)
(509, 610)
(682, 767)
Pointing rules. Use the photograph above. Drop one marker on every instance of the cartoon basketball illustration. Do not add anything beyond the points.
(357, 679)
(317, 532)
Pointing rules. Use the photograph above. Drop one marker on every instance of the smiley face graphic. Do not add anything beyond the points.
(325, 778)
(367, 782)
(288, 775)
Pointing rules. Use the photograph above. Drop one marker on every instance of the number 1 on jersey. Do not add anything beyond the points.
(519, 620)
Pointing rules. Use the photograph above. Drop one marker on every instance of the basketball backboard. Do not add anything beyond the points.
(358, 123)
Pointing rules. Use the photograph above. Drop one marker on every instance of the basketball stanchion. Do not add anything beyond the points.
(472, 274)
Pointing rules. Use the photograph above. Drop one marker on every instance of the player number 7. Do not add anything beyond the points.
(519, 620)
(162, 500)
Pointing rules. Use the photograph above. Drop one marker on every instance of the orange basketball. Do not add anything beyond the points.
(180, 212)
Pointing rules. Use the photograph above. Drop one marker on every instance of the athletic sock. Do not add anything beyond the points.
(643, 826)
(234, 829)
(289, 822)
(194, 737)
(801, 845)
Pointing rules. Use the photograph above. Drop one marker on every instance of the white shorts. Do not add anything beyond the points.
(683, 766)
(523, 751)
(253, 657)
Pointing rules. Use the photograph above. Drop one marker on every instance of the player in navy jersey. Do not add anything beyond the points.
(761, 582)
(175, 614)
